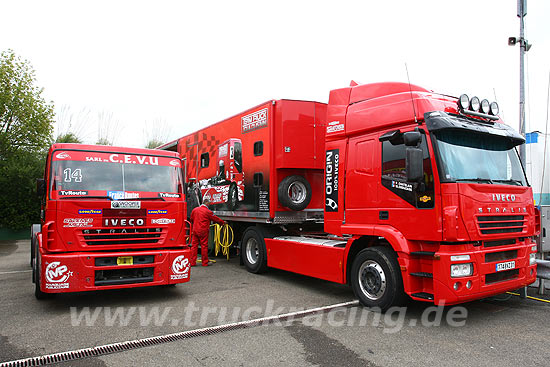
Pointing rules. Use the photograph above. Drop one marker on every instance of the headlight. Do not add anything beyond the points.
(464, 101)
(532, 259)
(485, 106)
(461, 270)
(493, 108)
(474, 104)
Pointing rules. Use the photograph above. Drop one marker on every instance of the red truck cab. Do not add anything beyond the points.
(111, 218)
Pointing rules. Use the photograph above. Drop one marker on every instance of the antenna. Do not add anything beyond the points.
(410, 91)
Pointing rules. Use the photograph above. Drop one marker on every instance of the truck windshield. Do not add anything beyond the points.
(115, 176)
(471, 157)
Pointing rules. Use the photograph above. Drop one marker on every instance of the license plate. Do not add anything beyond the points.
(506, 266)
(125, 260)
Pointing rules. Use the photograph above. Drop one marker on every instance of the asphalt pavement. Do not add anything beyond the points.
(502, 331)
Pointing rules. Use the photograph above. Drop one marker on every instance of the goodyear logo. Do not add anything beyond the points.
(157, 211)
(89, 211)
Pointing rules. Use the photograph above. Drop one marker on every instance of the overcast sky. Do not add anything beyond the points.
(172, 67)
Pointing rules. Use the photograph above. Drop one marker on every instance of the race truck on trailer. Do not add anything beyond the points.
(111, 218)
(389, 187)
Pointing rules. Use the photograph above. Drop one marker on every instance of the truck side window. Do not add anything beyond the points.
(205, 160)
(258, 148)
(394, 174)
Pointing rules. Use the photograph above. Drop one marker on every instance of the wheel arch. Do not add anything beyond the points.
(382, 236)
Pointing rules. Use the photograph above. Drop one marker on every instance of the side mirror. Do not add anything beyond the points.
(414, 164)
(40, 187)
(412, 138)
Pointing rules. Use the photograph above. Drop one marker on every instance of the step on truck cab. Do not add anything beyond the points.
(389, 187)
(111, 218)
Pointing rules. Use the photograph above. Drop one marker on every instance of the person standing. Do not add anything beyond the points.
(200, 220)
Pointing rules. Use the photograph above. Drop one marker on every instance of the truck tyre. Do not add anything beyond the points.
(38, 294)
(35, 229)
(232, 196)
(253, 252)
(376, 278)
(294, 192)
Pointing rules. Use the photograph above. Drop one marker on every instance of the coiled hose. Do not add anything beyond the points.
(223, 239)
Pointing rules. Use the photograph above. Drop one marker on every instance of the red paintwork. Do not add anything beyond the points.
(69, 222)
(354, 120)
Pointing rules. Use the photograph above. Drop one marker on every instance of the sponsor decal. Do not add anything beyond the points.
(157, 211)
(126, 159)
(180, 268)
(254, 121)
(89, 211)
(331, 180)
(504, 197)
(174, 162)
(425, 198)
(121, 195)
(72, 193)
(125, 204)
(163, 221)
(168, 195)
(77, 222)
(62, 155)
(335, 126)
(402, 186)
(57, 276)
(123, 222)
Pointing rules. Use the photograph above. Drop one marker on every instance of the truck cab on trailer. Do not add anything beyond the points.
(111, 218)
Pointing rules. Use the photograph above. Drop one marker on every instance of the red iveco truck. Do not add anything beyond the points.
(389, 187)
(111, 218)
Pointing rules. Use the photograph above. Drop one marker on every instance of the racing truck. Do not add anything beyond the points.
(111, 218)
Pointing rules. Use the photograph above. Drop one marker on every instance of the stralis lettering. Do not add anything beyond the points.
(254, 121)
(123, 222)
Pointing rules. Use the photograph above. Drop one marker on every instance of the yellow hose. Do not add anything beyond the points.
(223, 239)
(535, 298)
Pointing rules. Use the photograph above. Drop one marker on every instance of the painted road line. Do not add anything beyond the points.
(156, 340)
(14, 272)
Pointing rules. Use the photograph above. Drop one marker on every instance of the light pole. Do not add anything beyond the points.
(524, 46)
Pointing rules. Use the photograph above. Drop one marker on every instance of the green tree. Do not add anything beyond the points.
(26, 126)
(68, 138)
(26, 120)
(153, 143)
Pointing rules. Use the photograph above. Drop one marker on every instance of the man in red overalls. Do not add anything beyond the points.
(200, 219)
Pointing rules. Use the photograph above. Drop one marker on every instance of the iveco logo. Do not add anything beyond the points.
(504, 197)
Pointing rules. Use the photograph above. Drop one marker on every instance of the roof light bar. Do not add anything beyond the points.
(473, 106)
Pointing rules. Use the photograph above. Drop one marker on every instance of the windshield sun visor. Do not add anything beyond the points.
(439, 120)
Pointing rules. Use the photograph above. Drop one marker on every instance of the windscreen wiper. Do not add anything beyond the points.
(511, 181)
(147, 198)
(480, 180)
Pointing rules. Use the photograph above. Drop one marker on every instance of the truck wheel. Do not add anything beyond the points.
(35, 229)
(376, 278)
(38, 294)
(294, 192)
(254, 254)
(232, 197)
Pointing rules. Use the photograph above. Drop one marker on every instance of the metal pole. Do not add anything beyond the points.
(522, 4)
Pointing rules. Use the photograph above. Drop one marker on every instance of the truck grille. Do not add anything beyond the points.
(501, 276)
(122, 236)
(493, 224)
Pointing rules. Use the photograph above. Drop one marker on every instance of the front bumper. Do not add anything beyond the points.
(90, 271)
(485, 281)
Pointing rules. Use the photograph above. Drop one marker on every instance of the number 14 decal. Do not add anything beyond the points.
(68, 176)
